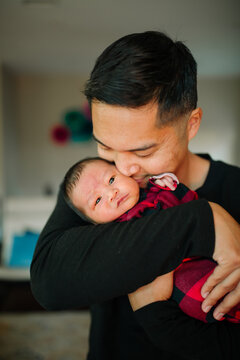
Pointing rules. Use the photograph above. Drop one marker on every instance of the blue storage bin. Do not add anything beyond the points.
(22, 249)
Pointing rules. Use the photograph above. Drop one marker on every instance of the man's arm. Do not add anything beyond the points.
(170, 329)
(76, 264)
(226, 276)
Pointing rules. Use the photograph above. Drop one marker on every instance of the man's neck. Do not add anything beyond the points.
(194, 171)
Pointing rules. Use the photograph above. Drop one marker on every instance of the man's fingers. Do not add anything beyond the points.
(230, 300)
(229, 285)
(220, 273)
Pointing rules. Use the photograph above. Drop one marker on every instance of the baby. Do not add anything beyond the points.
(97, 189)
(102, 194)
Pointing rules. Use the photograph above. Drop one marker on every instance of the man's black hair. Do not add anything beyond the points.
(146, 67)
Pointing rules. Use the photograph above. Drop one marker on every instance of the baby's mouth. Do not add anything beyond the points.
(122, 199)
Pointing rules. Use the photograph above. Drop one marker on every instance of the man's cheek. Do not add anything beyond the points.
(153, 166)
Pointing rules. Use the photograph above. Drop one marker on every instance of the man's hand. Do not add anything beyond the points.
(158, 290)
(226, 277)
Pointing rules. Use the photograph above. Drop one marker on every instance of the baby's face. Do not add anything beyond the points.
(103, 193)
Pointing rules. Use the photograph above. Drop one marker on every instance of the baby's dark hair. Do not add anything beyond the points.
(73, 174)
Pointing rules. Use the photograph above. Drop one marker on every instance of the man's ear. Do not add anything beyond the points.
(194, 122)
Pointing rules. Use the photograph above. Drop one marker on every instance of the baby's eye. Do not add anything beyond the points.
(98, 200)
(111, 180)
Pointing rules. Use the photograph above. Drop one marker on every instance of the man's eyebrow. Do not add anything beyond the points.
(142, 148)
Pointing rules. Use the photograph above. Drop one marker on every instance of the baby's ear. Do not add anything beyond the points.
(194, 122)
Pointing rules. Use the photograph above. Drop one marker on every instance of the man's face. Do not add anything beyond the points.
(103, 193)
(139, 148)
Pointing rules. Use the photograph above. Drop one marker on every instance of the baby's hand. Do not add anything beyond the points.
(166, 181)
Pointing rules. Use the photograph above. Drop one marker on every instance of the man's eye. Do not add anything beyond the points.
(111, 180)
(102, 148)
(143, 155)
(98, 200)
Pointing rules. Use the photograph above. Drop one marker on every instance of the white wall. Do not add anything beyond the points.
(40, 101)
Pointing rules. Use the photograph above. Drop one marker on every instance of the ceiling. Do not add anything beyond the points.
(66, 36)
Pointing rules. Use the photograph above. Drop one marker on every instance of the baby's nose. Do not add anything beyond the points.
(112, 194)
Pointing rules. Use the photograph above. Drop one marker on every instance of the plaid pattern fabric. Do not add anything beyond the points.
(192, 273)
(154, 197)
(189, 278)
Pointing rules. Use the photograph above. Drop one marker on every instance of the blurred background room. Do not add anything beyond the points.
(47, 50)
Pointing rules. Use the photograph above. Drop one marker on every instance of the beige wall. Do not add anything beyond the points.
(40, 102)
(1, 155)
(1, 136)
(11, 140)
(220, 128)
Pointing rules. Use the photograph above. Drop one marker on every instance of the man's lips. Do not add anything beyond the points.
(122, 199)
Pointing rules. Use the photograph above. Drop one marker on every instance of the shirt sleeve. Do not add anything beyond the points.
(77, 264)
(170, 329)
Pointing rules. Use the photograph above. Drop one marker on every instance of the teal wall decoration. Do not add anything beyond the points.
(76, 127)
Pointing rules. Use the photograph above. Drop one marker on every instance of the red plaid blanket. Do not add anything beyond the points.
(192, 273)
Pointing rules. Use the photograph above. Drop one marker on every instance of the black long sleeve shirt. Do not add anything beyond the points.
(78, 264)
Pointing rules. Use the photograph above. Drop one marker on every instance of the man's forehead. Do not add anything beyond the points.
(123, 118)
(125, 129)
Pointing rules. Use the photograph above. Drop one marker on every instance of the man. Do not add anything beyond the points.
(143, 97)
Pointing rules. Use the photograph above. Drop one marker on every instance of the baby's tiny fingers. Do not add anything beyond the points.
(170, 184)
(160, 182)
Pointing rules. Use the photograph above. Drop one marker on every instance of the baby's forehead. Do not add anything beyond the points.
(95, 172)
(92, 176)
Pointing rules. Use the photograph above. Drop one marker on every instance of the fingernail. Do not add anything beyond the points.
(206, 308)
(218, 316)
(205, 295)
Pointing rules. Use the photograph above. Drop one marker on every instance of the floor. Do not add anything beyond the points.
(28, 332)
(44, 336)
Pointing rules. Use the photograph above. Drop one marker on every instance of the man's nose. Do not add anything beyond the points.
(125, 164)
